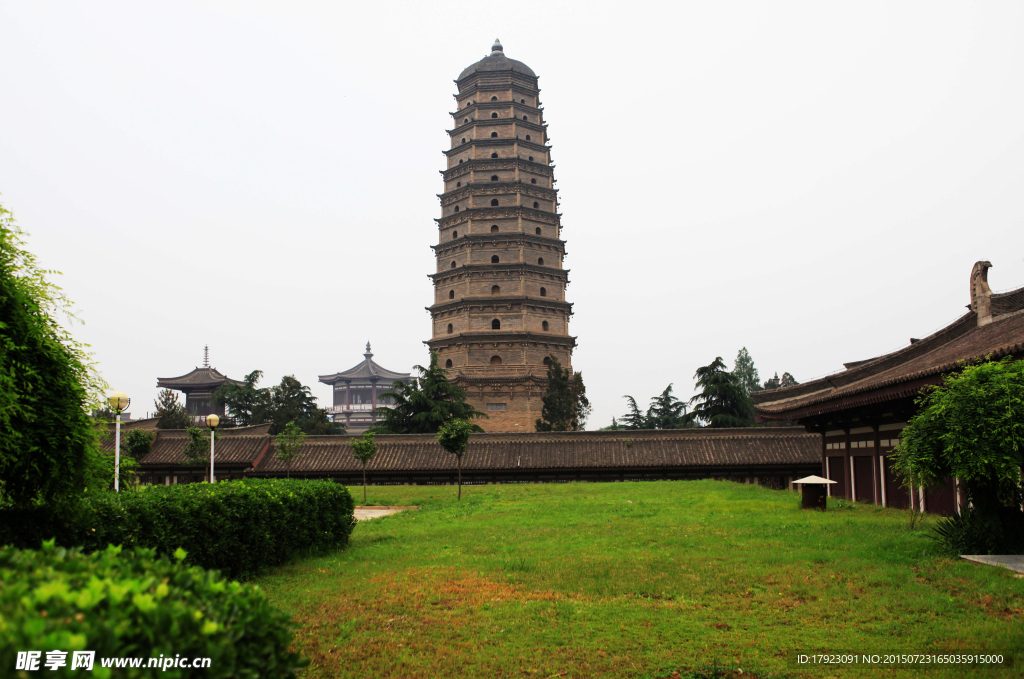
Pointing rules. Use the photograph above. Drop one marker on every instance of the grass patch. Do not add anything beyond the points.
(696, 578)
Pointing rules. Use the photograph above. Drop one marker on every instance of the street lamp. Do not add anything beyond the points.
(212, 421)
(119, 402)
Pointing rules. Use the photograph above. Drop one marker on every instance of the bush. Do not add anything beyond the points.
(236, 527)
(973, 532)
(131, 603)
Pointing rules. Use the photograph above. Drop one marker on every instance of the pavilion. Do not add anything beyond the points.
(357, 392)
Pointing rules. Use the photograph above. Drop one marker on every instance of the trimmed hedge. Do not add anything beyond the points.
(236, 527)
(133, 604)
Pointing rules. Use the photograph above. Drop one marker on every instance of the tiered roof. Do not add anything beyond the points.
(200, 378)
(497, 61)
(365, 370)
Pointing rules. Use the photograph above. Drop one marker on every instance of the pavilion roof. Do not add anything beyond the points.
(205, 377)
(941, 352)
(367, 369)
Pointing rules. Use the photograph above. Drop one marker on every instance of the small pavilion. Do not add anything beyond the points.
(357, 392)
(198, 387)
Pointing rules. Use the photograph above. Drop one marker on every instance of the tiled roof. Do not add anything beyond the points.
(497, 61)
(941, 352)
(200, 377)
(559, 451)
(169, 445)
(366, 370)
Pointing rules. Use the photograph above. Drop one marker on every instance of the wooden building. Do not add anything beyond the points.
(198, 387)
(860, 411)
(499, 307)
(357, 392)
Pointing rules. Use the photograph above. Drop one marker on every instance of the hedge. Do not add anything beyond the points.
(236, 527)
(135, 604)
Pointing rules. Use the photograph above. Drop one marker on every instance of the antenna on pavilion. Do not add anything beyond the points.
(206, 355)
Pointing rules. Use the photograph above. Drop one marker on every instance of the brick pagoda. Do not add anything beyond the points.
(499, 307)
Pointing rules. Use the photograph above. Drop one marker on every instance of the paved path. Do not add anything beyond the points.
(1015, 562)
(372, 512)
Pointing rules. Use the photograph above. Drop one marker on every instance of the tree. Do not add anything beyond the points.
(745, 372)
(787, 380)
(170, 413)
(48, 384)
(288, 443)
(667, 412)
(722, 401)
(425, 404)
(197, 447)
(614, 426)
(246, 404)
(972, 428)
(566, 406)
(289, 401)
(363, 450)
(454, 438)
(137, 443)
(634, 419)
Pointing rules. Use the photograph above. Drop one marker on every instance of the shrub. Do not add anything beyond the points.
(131, 603)
(237, 527)
(972, 532)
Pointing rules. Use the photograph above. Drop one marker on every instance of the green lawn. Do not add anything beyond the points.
(624, 579)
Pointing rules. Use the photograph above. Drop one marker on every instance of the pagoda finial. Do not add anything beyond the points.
(206, 355)
(496, 48)
(368, 354)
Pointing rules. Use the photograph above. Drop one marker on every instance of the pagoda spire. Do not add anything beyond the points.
(206, 356)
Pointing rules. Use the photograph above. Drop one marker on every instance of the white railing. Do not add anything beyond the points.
(357, 407)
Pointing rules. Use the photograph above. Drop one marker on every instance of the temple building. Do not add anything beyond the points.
(499, 307)
(357, 392)
(198, 386)
(861, 410)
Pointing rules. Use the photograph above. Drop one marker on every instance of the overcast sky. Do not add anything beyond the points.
(813, 181)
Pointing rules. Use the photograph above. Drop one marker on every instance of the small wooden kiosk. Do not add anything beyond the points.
(814, 492)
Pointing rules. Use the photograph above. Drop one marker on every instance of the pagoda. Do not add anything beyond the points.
(357, 392)
(499, 311)
(198, 387)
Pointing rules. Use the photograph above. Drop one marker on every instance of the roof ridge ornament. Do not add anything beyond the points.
(368, 354)
(206, 355)
(981, 293)
(496, 48)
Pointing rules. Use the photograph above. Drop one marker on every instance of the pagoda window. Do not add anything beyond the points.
(547, 360)
(522, 101)
(448, 363)
(466, 120)
(460, 162)
(450, 328)
(493, 155)
(494, 115)
(533, 181)
(494, 202)
(494, 134)
(457, 207)
(527, 137)
(453, 265)
(494, 177)
(495, 325)
(458, 184)
(495, 360)
(451, 294)
(531, 159)
(494, 99)
(538, 230)
(544, 325)
(463, 140)
(535, 205)
(540, 260)
(543, 292)
(455, 234)
(494, 259)
(494, 228)
(495, 290)
(526, 119)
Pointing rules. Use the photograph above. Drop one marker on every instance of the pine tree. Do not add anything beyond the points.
(722, 401)
(667, 412)
(745, 371)
(169, 412)
(425, 404)
(566, 406)
(634, 419)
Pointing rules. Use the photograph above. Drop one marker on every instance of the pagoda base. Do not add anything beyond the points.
(511, 404)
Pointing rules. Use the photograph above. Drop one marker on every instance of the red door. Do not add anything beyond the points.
(896, 495)
(837, 473)
(865, 478)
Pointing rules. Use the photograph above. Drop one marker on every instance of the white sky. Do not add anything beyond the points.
(810, 180)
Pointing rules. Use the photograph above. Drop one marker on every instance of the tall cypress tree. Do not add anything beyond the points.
(722, 401)
(566, 406)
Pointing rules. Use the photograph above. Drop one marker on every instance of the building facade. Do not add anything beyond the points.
(357, 392)
(861, 410)
(499, 310)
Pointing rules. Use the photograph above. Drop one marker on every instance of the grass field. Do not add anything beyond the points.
(627, 579)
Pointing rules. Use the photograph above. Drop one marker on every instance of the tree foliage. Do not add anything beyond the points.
(665, 412)
(170, 413)
(776, 382)
(136, 443)
(289, 401)
(972, 428)
(363, 450)
(745, 372)
(566, 406)
(454, 438)
(423, 405)
(197, 447)
(48, 383)
(722, 401)
(288, 443)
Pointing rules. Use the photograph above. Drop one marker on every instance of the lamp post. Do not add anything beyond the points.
(212, 421)
(119, 401)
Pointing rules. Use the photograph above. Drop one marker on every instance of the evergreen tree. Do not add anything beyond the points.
(425, 404)
(566, 406)
(245, 404)
(722, 401)
(288, 443)
(667, 412)
(170, 413)
(289, 401)
(788, 380)
(634, 419)
(745, 372)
